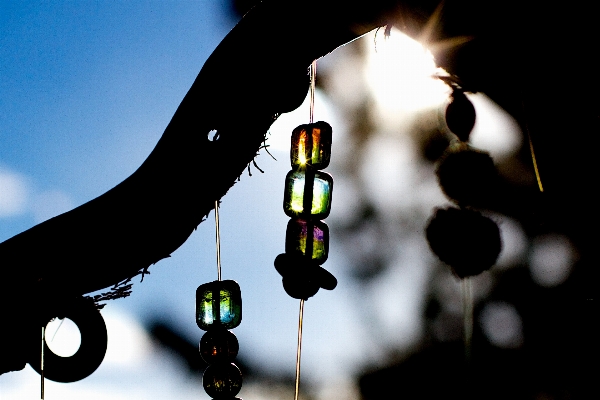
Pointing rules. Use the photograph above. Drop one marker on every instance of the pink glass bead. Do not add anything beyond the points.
(307, 239)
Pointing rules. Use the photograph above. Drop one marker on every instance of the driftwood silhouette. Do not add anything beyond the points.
(150, 214)
(257, 72)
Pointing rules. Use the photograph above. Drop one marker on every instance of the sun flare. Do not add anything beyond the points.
(399, 73)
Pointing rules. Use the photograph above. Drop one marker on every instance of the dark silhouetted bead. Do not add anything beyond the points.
(218, 345)
(311, 145)
(222, 380)
(460, 115)
(304, 236)
(303, 270)
(300, 287)
(326, 279)
(467, 176)
(284, 263)
(218, 303)
(464, 239)
(435, 146)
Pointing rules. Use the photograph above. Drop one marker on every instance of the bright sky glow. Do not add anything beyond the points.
(495, 130)
(399, 73)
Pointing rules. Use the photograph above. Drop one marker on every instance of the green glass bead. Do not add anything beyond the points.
(311, 145)
(307, 238)
(307, 194)
(218, 345)
(218, 304)
(222, 381)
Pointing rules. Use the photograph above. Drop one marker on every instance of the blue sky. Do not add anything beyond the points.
(86, 90)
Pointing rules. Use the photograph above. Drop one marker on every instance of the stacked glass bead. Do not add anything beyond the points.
(218, 309)
(307, 200)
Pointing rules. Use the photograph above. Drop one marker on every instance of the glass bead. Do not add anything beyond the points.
(218, 345)
(218, 303)
(326, 279)
(300, 287)
(460, 115)
(299, 195)
(222, 380)
(307, 239)
(311, 145)
(464, 239)
(296, 267)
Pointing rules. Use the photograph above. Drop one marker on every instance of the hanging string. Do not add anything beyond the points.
(42, 363)
(313, 74)
(218, 235)
(467, 298)
(299, 350)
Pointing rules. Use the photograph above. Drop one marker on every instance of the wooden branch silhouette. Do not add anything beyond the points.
(258, 71)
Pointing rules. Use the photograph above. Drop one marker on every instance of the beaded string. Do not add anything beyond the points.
(307, 201)
(463, 237)
(219, 309)
(313, 74)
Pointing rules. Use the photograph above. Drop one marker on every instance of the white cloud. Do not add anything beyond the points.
(13, 193)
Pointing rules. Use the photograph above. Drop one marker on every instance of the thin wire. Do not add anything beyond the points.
(467, 297)
(313, 74)
(56, 331)
(42, 363)
(218, 234)
(535, 167)
(299, 350)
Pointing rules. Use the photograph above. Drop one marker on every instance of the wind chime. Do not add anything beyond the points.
(307, 201)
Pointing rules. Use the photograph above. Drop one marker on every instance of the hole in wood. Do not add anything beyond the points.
(213, 135)
(63, 337)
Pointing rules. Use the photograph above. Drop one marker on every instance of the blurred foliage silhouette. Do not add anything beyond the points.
(533, 338)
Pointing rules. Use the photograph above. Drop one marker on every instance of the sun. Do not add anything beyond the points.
(399, 72)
